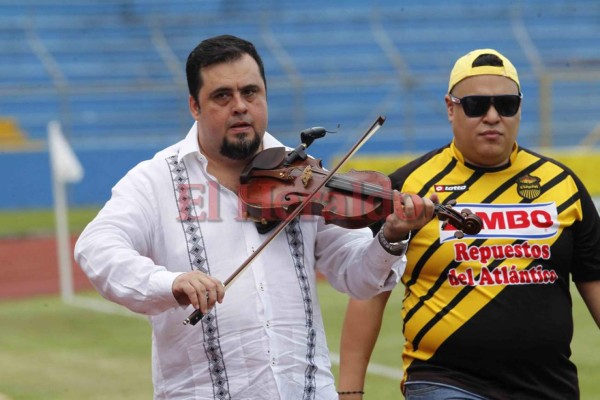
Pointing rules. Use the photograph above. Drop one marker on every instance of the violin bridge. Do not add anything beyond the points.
(306, 175)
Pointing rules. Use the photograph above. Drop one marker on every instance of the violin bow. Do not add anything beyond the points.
(197, 315)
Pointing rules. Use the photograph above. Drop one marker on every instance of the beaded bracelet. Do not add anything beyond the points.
(352, 392)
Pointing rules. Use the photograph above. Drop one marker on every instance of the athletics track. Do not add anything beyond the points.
(29, 267)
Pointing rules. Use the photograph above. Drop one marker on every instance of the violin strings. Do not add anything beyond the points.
(374, 190)
(344, 183)
(371, 189)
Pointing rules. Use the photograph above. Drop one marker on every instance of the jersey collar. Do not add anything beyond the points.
(459, 156)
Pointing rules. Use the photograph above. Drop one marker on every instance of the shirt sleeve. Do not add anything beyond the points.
(114, 250)
(586, 263)
(354, 262)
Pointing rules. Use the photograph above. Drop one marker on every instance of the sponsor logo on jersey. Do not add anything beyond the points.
(440, 188)
(518, 221)
(485, 254)
(503, 275)
(529, 187)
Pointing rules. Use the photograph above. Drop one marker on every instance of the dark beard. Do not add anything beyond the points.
(240, 149)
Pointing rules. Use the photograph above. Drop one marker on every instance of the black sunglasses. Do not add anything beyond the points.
(507, 105)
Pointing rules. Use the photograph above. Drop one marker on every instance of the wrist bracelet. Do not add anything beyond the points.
(352, 392)
(395, 249)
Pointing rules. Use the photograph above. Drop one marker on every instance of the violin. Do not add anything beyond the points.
(277, 186)
(274, 184)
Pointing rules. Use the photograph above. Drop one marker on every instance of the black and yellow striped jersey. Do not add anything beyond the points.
(492, 312)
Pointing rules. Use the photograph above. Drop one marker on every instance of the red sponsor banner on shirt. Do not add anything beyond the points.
(522, 221)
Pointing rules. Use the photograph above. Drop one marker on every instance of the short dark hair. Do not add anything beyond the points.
(216, 50)
(488, 59)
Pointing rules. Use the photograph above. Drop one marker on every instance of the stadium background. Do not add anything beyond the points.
(113, 73)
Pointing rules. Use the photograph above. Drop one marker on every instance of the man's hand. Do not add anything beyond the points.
(198, 289)
(410, 212)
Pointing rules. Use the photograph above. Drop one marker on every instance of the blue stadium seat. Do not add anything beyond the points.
(116, 69)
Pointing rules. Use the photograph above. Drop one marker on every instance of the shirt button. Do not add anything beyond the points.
(268, 324)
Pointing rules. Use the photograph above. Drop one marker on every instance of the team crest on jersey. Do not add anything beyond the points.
(529, 187)
(441, 188)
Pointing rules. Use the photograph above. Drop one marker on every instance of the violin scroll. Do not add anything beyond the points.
(465, 220)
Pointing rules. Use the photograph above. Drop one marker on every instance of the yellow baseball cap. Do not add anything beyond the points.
(463, 68)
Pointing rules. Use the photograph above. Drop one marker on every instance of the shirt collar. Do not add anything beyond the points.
(190, 145)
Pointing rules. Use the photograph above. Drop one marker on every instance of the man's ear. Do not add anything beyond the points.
(449, 107)
(194, 107)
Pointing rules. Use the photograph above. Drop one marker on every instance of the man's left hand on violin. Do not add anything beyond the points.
(411, 212)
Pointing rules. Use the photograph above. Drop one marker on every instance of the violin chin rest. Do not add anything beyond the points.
(265, 227)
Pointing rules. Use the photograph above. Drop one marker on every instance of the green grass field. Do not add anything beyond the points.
(49, 350)
(53, 351)
(41, 222)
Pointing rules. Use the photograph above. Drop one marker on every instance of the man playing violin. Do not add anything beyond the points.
(172, 232)
(487, 316)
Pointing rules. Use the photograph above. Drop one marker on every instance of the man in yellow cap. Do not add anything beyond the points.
(487, 316)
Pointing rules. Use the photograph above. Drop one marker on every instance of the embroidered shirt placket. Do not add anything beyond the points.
(198, 261)
(295, 241)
